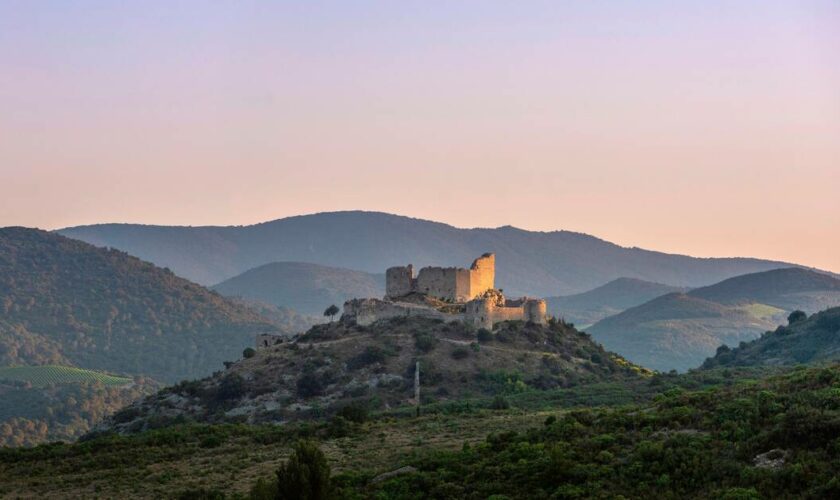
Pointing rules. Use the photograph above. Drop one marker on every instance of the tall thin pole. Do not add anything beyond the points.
(417, 386)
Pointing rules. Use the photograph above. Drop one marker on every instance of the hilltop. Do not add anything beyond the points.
(67, 302)
(307, 288)
(812, 340)
(611, 298)
(531, 263)
(335, 364)
(678, 331)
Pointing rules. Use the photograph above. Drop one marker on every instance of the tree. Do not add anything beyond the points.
(249, 352)
(305, 476)
(331, 311)
(796, 317)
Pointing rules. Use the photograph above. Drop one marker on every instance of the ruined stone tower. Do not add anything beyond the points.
(454, 284)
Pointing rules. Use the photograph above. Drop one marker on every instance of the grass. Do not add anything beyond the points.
(761, 311)
(41, 376)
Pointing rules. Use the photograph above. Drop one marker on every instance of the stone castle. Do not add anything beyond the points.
(446, 293)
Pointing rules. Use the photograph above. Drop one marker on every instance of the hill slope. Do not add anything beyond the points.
(611, 298)
(736, 439)
(679, 331)
(814, 340)
(304, 287)
(528, 262)
(337, 363)
(67, 302)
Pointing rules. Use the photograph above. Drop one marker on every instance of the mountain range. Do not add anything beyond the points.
(304, 287)
(679, 330)
(611, 298)
(527, 262)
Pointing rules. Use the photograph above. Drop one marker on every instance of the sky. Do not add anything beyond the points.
(704, 128)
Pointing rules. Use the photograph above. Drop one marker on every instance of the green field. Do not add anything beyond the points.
(40, 376)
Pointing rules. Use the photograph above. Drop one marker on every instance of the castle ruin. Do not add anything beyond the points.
(446, 293)
(454, 284)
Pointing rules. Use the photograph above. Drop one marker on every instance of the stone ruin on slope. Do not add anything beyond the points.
(446, 293)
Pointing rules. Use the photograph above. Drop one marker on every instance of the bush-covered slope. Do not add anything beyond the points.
(308, 288)
(41, 404)
(812, 340)
(337, 363)
(611, 298)
(679, 331)
(63, 301)
(528, 262)
(751, 439)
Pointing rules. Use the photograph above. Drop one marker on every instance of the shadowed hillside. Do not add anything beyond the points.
(67, 302)
(307, 288)
(678, 331)
(528, 262)
(612, 298)
(339, 363)
(812, 340)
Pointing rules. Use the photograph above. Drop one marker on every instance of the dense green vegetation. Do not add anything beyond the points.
(66, 302)
(708, 434)
(804, 340)
(34, 410)
(40, 376)
(678, 331)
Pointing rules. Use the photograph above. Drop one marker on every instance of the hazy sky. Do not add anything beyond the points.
(707, 128)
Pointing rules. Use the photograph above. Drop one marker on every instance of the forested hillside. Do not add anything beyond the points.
(63, 301)
(804, 340)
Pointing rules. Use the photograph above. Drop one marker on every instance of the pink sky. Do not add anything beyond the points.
(711, 129)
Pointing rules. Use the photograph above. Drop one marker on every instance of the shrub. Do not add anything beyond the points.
(499, 403)
(310, 384)
(484, 335)
(425, 342)
(305, 476)
(354, 412)
(460, 353)
(796, 317)
(249, 352)
(231, 387)
(371, 355)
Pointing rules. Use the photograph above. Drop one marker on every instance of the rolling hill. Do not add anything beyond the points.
(611, 298)
(307, 288)
(63, 301)
(812, 340)
(339, 363)
(678, 331)
(527, 262)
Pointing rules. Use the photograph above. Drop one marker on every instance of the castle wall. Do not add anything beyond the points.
(399, 281)
(367, 311)
(482, 275)
(484, 313)
(449, 283)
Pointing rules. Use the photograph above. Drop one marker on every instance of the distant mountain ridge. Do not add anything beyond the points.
(304, 287)
(606, 300)
(64, 301)
(528, 262)
(680, 330)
